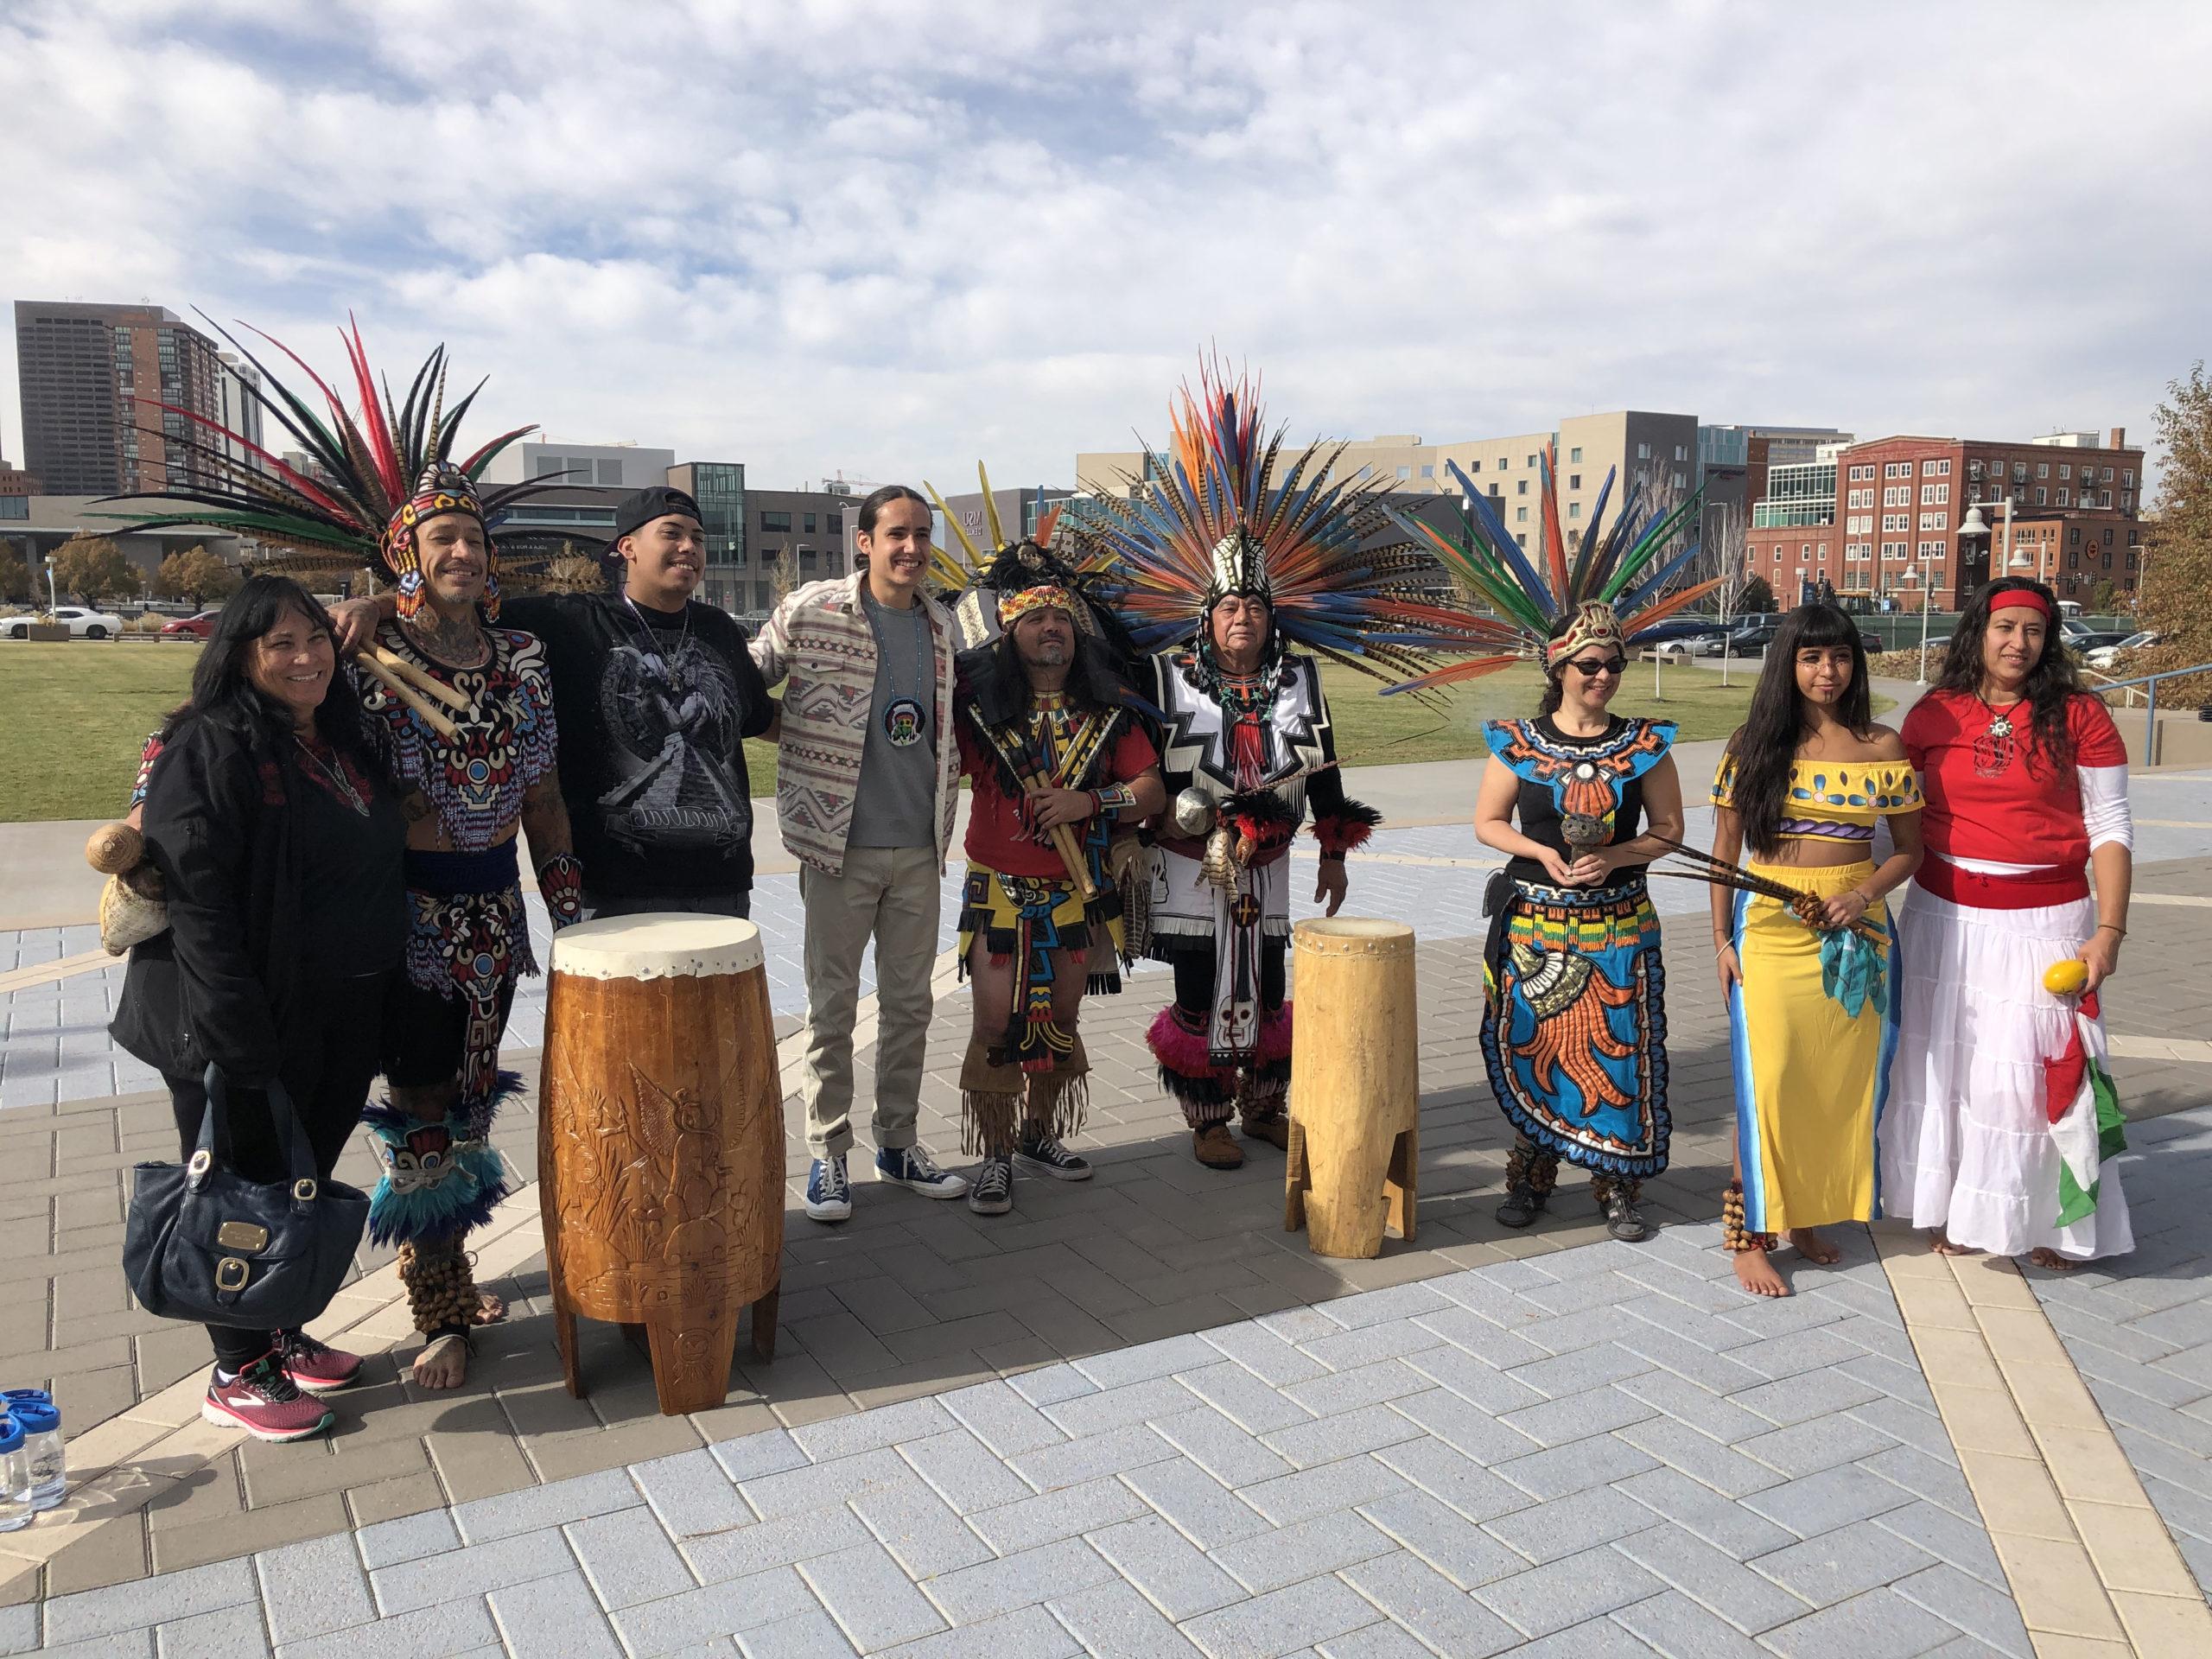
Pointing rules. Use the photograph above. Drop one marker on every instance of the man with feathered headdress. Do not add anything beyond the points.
(1229, 571)
(463, 711)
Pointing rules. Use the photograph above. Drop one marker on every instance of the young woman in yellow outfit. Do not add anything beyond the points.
(1812, 1012)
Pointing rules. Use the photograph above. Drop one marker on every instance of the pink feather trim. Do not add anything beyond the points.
(1274, 1034)
(1183, 1053)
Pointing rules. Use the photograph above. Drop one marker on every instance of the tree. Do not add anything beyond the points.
(15, 576)
(93, 569)
(196, 575)
(2104, 598)
(1757, 596)
(2176, 571)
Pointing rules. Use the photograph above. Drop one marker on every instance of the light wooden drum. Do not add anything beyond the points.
(1355, 1085)
(661, 1144)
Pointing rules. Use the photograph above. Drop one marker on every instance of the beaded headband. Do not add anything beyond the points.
(1046, 598)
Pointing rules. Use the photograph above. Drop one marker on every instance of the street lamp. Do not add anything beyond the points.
(1927, 601)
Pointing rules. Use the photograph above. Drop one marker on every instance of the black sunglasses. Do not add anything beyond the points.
(1590, 670)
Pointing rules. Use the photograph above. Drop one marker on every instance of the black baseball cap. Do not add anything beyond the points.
(641, 507)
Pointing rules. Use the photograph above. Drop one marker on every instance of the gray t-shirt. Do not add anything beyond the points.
(895, 803)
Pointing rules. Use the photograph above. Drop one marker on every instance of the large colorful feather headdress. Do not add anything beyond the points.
(371, 478)
(1627, 569)
(1215, 518)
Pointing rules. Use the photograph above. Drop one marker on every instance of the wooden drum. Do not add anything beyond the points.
(661, 1144)
(1355, 1086)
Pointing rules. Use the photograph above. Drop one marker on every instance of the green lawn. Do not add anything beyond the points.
(76, 715)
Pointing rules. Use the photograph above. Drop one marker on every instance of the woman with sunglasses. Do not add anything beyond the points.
(1574, 1029)
(1813, 1011)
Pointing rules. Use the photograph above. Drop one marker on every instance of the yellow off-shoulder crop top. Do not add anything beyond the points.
(1833, 800)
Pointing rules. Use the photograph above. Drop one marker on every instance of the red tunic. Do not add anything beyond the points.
(998, 825)
(1999, 799)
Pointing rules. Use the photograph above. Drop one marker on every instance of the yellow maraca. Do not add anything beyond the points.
(2067, 978)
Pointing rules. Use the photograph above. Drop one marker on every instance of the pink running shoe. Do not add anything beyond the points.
(266, 1403)
(314, 1366)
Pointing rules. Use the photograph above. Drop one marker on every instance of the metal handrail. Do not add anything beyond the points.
(2150, 700)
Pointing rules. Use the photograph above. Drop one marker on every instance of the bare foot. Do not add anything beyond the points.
(1940, 1242)
(1757, 1275)
(1810, 1245)
(495, 1310)
(2052, 1260)
(443, 1363)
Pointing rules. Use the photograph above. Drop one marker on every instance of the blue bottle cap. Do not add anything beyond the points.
(35, 1416)
(11, 1433)
(26, 1394)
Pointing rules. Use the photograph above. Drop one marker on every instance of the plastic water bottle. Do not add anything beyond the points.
(14, 1476)
(43, 1457)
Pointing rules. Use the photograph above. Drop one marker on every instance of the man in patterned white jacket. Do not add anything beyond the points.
(868, 776)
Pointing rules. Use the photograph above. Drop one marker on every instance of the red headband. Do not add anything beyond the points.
(2021, 599)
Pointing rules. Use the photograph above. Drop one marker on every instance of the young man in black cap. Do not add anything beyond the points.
(653, 694)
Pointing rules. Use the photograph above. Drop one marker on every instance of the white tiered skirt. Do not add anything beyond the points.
(1965, 1142)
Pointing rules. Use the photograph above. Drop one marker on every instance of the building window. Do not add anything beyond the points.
(1500, 463)
(2065, 471)
(1520, 487)
(781, 521)
(2127, 477)
(1681, 483)
(1474, 466)
(1575, 453)
(1520, 515)
(2040, 494)
(1427, 470)
(1934, 495)
(1574, 509)
(2127, 500)
(1404, 473)
(2108, 477)
(2104, 498)
(1532, 463)
(1574, 480)
(2062, 494)
(1643, 452)
(2042, 469)
(835, 522)
(1522, 542)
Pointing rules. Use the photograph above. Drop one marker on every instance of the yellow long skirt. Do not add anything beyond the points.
(1811, 1074)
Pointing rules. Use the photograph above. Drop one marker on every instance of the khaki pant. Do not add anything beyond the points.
(890, 894)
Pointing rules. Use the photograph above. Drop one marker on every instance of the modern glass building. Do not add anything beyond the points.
(1800, 492)
(718, 488)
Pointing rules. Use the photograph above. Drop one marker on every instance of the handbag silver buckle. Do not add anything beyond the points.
(303, 1190)
(202, 1161)
(230, 1273)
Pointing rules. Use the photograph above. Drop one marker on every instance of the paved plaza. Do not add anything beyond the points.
(1137, 1417)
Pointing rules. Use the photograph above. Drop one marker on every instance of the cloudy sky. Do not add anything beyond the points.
(889, 238)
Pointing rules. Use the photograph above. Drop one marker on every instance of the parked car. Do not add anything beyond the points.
(2105, 659)
(82, 624)
(201, 627)
(2091, 639)
(1749, 639)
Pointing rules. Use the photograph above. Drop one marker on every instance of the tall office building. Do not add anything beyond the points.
(90, 376)
(241, 386)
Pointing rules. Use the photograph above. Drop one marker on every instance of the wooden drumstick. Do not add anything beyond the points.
(114, 848)
(414, 699)
(1063, 843)
(428, 684)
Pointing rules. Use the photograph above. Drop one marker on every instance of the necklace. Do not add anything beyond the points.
(1994, 748)
(904, 718)
(652, 640)
(341, 784)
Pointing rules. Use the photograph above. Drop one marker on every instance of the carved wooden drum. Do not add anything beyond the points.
(661, 1144)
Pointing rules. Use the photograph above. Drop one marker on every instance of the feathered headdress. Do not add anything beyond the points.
(974, 578)
(1624, 571)
(1212, 519)
(373, 481)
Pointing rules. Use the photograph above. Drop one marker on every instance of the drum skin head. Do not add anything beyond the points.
(666, 945)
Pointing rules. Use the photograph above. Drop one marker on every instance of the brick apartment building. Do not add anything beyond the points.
(83, 369)
(1899, 504)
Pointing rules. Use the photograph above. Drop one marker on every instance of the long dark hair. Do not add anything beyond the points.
(1554, 673)
(1090, 686)
(1765, 744)
(2053, 681)
(223, 692)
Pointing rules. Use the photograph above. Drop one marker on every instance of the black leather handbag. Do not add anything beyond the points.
(202, 1243)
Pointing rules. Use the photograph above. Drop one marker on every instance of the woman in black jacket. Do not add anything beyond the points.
(279, 840)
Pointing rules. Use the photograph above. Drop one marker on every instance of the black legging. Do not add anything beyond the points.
(329, 1082)
(1194, 976)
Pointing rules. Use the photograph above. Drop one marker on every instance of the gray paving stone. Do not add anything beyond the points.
(1832, 1499)
(769, 1453)
(149, 1601)
(1713, 1578)
(967, 1474)
(1325, 1439)
(19, 1627)
(1595, 1638)
(1684, 1357)
(1880, 1624)
(1377, 1306)
(1471, 1378)
(1118, 1407)
(1430, 1606)
(1178, 1578)
(1342, 1485)
(1215, 1444)
(225, 1633)
(1113, 1621)
(628, 1558)
(820, 1485)
(1375, 1642)
(558, 1618)
(1266, 1354)
(1922, 1430)
(313, 1587)
(1455, 1478)
(691, 1493)
(1569, 1526)
(1697, 1405)
(1838, 1565)
(1465, 1425)
(1049, 1384)
(1971, 1605)
(1274, 1624)
(802, 1636)
(1570, 1375)
(472, 1571)
(1677, 1627)
(1073, 1462)
(123, 1645)
(1308, 1550)
(442, 1632)
(1444, 1538)
(1345, 1351)
(1146, 1360)
(1939, 1483)
(1801, 1399)
(1961, 1543)
(872, 1600)
(1200, 1507)
(1808, 1448)
(1468, 1331)
(745, 1552)
(1568, 1590)
(1022, 1579)
(1721, 1522)
(1002, 1418)
(920, 1530)
(1799, 1351)
(534, 1509)
(1031, 1633)
(1578, 1416)
(407, 1539)
(1259, 1407)
(678, 1623)
(1074, 1510)
(1579, 1464)
(1724, 1469)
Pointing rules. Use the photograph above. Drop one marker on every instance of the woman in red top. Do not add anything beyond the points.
(2026, 783)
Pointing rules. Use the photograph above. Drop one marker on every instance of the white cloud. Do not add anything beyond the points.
(889, 239)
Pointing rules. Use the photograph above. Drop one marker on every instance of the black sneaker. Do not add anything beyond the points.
(1042, 1151)
(991, 1191)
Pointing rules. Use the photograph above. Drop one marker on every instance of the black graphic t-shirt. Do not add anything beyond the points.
(652, 705)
